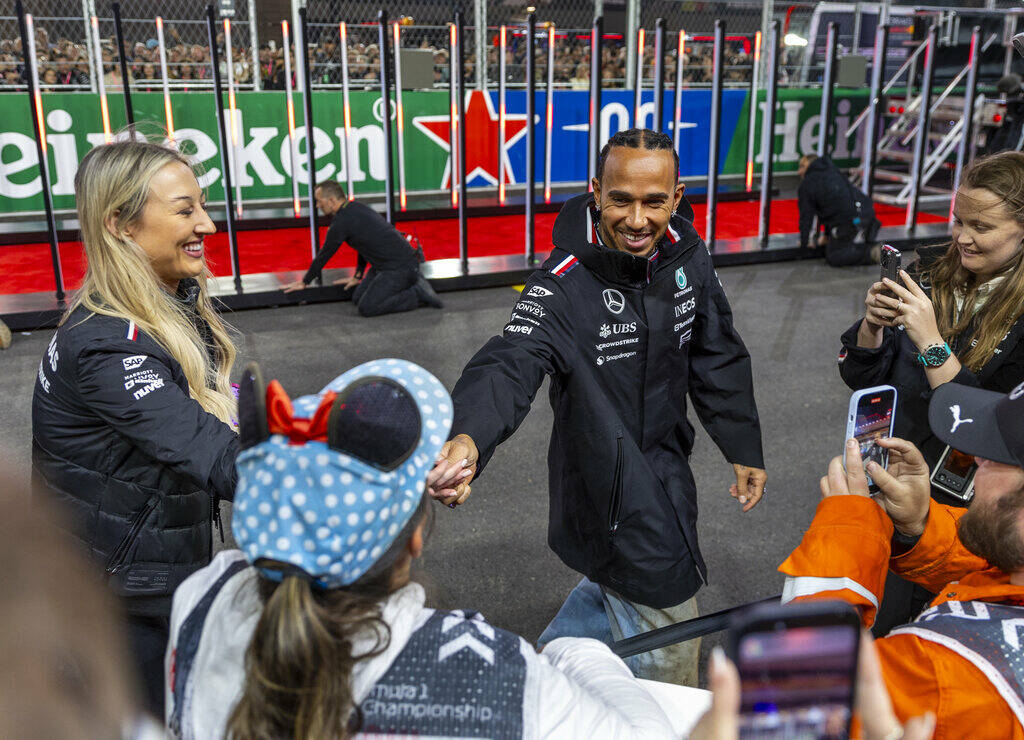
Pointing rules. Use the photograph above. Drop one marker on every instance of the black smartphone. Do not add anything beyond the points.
(891, 261)
(798, 669)
(954, 474)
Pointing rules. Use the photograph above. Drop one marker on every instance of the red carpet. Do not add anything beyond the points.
(27, 267)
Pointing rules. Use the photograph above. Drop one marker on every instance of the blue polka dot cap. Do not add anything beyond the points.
(329, 513)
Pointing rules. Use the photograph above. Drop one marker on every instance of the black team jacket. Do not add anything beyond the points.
(625, 340)
(136, 464)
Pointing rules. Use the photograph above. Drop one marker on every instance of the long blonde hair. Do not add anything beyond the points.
(114, 180)
(1002, 175)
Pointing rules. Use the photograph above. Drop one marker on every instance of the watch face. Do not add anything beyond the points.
(935, 356)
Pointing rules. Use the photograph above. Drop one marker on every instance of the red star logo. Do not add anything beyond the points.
(481, 138)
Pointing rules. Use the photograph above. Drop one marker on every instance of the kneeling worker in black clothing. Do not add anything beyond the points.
(843, 210)
(393, 282)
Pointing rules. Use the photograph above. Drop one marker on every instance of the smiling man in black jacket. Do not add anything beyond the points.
(627, 317)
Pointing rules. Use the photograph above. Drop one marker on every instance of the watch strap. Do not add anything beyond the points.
(922, 357)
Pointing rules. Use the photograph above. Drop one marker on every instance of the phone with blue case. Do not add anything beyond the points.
(871, 416)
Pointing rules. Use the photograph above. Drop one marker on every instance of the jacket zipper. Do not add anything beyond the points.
(616, 502)
(116, 562)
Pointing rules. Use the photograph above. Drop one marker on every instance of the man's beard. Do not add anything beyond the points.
(992, 531)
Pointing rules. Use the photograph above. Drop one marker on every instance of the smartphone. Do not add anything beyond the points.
(798, 669)
(891, 261)
(954, 474)
(871, 416)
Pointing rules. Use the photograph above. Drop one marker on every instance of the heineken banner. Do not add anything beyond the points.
(263, 160)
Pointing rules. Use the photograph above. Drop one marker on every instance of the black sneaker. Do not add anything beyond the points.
(426, 293)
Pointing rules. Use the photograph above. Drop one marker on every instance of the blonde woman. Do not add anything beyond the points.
(132, 411)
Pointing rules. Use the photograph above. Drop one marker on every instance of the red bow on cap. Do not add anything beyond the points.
(280, 419)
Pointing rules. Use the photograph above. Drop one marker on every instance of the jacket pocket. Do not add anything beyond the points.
(615, 503)
(117, 558)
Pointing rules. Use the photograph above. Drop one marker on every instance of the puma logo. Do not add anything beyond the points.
(957, 421)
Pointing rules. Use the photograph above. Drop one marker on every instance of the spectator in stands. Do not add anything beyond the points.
(961, 308)
(132, 411)
(393, 282)
(845, 212)
(64, 672)
(959, 659)
(314, 629)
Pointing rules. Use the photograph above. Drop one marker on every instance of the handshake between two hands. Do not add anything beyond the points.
(904, 489)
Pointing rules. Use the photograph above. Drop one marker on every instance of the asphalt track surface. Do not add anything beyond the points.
(491, 554)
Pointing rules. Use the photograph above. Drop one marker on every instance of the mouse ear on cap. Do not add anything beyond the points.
(252, 407)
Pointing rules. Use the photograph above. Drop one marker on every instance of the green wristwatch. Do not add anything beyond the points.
(935, 355)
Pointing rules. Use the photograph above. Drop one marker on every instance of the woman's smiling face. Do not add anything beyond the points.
(173, 224)
(984, 233)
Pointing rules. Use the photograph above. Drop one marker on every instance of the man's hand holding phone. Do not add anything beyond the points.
(904, 489)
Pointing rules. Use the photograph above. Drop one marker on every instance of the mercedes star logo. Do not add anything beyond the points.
(613, 300)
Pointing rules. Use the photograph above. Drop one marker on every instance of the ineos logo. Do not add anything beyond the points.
(613, 300)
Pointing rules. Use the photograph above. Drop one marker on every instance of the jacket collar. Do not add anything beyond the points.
(576, 232)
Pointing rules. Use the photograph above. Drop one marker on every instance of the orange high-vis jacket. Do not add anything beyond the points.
(845, 554)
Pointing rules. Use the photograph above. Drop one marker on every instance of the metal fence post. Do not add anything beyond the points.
(768, 135)
(716, 122)
(300, 54)
(827, 84)
(966, 146)
(868, 155)
(531, 138)
(302, 57)
(460, 144)
(923, 129)
(383, 48)
(254, 44)
(480, 42)
(88, 11)
(659, 72)
(123, 63)
(225, 142)
(594, 143)
(28, 52)
(632, 26)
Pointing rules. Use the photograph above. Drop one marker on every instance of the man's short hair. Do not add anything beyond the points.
(331, 189)
(637, 138)
(805, 161)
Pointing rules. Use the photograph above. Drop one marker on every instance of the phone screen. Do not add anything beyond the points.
(873, 421)
(797, 683)
(959, 463)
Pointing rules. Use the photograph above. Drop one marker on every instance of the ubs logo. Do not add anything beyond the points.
(613, 300)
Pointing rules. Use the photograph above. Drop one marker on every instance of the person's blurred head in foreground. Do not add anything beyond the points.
(63, 668)
(330, 509)
(636, 189)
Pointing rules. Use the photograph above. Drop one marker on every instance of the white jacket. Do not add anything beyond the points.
(577, 688)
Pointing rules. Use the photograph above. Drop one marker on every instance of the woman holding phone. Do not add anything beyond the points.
(132, 411)
(956, 315)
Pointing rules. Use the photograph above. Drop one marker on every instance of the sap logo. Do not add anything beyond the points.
(516, 329)
(130, 363)
(685, 306)
(685, 337)
(538, 292)
(158, 383)
(530, 307)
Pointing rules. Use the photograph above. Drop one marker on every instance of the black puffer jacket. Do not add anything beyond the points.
(625, 340)
(137, 464)
(826, 193)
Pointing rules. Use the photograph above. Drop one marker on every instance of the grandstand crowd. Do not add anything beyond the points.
(65, 63)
